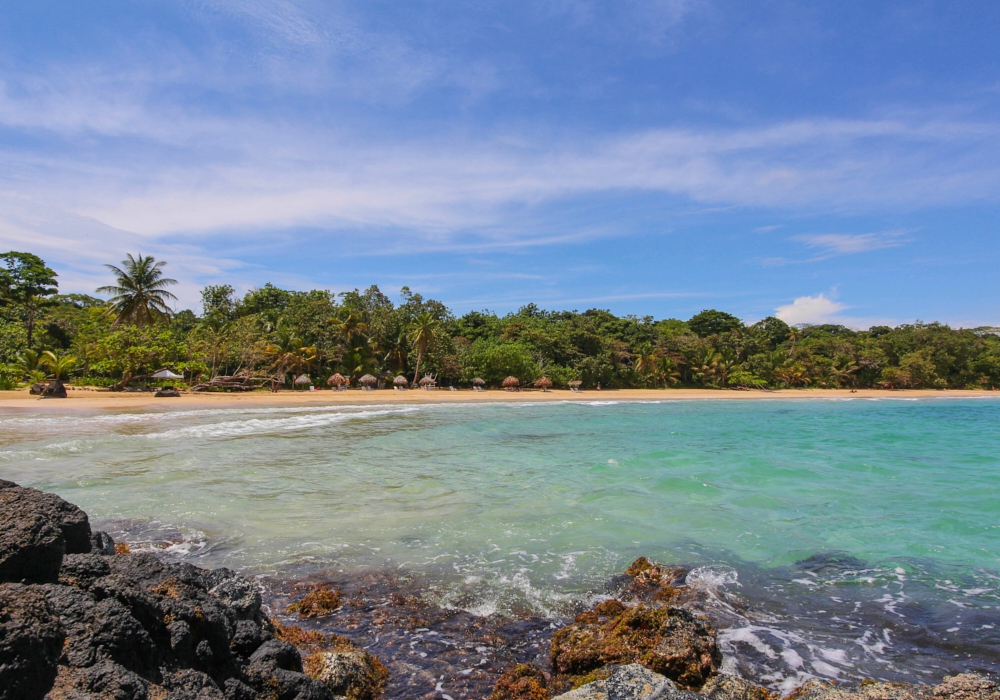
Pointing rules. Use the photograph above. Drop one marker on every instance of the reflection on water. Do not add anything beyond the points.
(838, 538)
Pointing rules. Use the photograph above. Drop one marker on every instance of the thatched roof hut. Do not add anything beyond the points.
(303, 380)
(428, 381)
(401, 381)
(511, 383)
(337, 380)
(478, 382)
(544, 383)
(368, 380)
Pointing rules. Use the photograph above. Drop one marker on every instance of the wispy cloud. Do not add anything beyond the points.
(848, 243)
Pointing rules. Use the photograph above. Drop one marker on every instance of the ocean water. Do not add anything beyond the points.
(835, 538)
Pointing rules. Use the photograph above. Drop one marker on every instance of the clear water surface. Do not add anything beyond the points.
(840, 538)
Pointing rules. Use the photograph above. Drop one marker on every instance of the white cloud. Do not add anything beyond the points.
(817, 309)
(846, 244)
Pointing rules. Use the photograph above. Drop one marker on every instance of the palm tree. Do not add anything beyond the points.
(140, 295)
(289, 354)
(794, 334)
(58, 365)
(422, 331)
(704, 365)
(666, 370)
(349, 327)
(27, 361)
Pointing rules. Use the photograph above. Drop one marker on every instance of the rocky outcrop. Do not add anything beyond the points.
(167, 392)
(668, 640)
(54, 390)
(78, 621)
(36, 530)
(349, 671)
(966, 686)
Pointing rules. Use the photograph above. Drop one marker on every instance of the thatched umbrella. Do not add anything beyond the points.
(302, 380)
(511, 383)
(401, 382)
(427, 382)
(478, 382)
(368, 381)
(337, 381)
(544, 383)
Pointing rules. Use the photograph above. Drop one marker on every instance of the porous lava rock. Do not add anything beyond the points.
(965, 686)
(668, 640)
(31, 639)
(83, 622)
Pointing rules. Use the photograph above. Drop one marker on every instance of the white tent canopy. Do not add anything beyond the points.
(166, 374)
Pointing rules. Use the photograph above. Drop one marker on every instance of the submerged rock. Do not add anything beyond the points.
(629, 682)
(523, 682)
(318, 603)
(668, 640)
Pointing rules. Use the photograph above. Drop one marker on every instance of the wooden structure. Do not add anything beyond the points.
(238, 382)
(337, 382)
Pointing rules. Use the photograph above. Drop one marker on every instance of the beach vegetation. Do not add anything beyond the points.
(278, 334)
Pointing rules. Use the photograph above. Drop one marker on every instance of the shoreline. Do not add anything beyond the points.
(87, 398)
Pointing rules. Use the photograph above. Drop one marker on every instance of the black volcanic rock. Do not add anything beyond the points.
(77, 624)
(31, 639)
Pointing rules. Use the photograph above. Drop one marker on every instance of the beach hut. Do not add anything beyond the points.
(478, 384)
(303, 380)
(337, 382)
(401, 383)
(544, 383)
(575, 385)
(368, 382)
(512, 384)
(428, 383)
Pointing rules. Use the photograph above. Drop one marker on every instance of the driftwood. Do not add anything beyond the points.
(238, 382)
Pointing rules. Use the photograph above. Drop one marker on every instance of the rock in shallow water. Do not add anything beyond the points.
(630, 682)
(668, 640)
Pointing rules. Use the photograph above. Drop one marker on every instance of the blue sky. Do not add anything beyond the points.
(826, 161)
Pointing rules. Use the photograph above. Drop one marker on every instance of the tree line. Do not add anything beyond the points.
(281, 334)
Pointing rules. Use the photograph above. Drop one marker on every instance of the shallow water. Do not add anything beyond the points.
(838, 538)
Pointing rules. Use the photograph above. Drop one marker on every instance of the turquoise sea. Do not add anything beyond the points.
(839, 538)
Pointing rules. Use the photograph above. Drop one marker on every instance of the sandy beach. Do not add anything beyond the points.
(86, 398)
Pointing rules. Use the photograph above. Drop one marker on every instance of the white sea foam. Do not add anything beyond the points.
(257, 426)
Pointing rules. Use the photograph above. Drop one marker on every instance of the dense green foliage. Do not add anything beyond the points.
(273, 332)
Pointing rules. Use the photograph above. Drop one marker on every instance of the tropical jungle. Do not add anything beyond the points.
(287, 338)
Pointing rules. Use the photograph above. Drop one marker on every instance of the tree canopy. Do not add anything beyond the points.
(282, 333)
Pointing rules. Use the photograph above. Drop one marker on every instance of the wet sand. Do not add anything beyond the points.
(89, 398)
